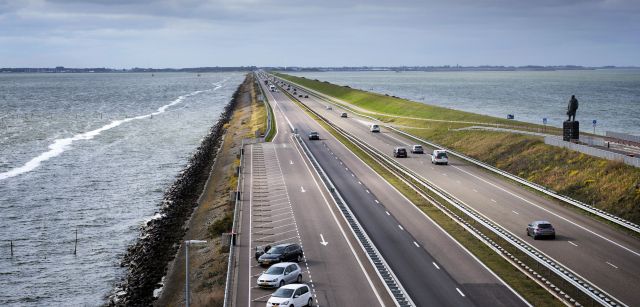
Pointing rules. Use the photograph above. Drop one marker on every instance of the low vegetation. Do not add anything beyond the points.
(609, 185)
(531, 291)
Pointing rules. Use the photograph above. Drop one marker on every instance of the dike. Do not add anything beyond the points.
(148, 258)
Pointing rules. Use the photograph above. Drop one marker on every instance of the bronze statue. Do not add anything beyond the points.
(572, 108)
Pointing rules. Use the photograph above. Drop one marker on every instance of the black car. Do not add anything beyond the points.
(400, 152)
(281, 253)
(306, 96)
(314, 135)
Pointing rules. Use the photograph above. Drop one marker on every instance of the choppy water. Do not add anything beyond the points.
(611, 97)
(92, 153)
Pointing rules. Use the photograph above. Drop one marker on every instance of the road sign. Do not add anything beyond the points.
(544, 120)
(595, 122)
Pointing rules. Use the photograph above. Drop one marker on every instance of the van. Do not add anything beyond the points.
(439, 156)
(374, 128)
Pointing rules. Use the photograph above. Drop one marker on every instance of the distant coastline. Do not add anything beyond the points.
(62, 69)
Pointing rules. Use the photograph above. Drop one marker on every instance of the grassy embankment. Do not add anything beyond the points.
(608, 185)
(531, 291)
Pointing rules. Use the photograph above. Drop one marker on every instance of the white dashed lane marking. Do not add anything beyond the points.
(400, 226)
(416, 244)
(460, 292)
(435, 265)
(611, 264)
(573, 243)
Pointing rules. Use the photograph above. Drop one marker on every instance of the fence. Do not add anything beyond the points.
(624, 137)
(593, 151)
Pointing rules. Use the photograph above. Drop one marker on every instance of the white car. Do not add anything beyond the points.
(329, 108)
(439, 156)
(296, 295)
(374, 128)
(280, 274)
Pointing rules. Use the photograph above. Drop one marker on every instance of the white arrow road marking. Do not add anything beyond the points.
(323, 242)
(302, 189)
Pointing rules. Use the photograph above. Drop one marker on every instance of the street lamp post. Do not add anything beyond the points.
(186, 268)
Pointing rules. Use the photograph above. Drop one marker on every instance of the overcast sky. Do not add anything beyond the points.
(190, 33)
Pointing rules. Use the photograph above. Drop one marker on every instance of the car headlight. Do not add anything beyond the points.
(284, 303)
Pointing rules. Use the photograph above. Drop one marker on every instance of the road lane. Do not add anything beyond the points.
(513, 207)
(411, 262)
(282, 202)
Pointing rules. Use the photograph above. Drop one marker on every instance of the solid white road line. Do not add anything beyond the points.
(551, 212)
(344, 235)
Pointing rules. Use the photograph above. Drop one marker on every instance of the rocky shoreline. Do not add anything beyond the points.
(159, 240)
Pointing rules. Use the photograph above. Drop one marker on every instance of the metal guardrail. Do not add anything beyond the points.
(266, 106)
(591, 209)
(601, 213)
(392, 283)
(551, 264)
(231, 260)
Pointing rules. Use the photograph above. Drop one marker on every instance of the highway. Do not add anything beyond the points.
(596, 251)
(282, 202)
(431, 266)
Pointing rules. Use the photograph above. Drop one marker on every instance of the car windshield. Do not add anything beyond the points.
(275, 270)
(276, 250)
(544, 226)
(417, 147)
(282, 293)
(441, 155)
(401, 150)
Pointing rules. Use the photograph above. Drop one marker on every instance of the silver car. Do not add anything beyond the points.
(280, 274)
(539, 229)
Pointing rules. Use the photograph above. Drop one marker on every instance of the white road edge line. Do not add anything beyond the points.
(344, 235)
(551, 212)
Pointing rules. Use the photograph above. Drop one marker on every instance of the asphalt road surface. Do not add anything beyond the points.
(598, 252)
(431, 266)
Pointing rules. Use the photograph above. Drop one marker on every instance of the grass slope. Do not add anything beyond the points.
(609, 185)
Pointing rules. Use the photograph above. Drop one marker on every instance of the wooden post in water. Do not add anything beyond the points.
(75, 248)
(11, 242)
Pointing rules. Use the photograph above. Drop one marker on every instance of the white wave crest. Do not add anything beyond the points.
(61, 145)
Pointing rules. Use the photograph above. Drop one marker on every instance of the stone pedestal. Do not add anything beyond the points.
(570, 130)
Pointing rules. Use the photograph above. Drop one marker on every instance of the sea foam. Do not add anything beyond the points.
(61, 145)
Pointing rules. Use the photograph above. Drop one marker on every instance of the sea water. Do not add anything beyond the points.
(611, 97)
(91, 153)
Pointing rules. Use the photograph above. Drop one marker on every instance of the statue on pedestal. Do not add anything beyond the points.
(572, 108)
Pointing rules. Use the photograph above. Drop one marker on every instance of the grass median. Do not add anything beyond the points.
(528, 288)
(608, 185)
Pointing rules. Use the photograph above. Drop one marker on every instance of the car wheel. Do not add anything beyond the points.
(527, 233)
(310, 302)
(299, 258)
(534, 237)
(299, 280)
(553, 237)
(281, 283)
